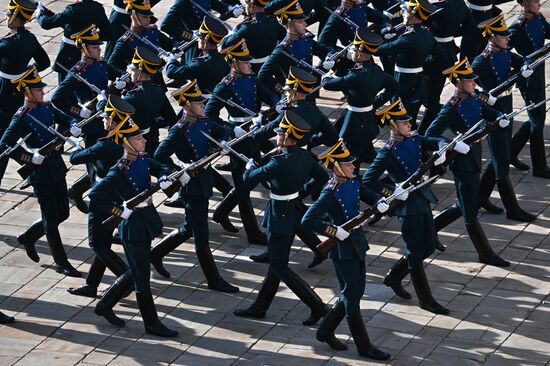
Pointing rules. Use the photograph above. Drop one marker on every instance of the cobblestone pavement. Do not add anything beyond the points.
(498, 316)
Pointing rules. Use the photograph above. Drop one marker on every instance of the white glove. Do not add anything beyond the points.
(388, 34)
(328, 64)
(75, 131)
(440, 160)
(250, 164)
(503, 121)
(349, 54)
(382, 206)
(462, 148)
(224, 151)
(328, 76)
(77, 146)
(74, 142)
(400, 193)
(41, 8)
(184, 179)
(102, 97)
(85, 112)
(341, 234)
(169, 58)
(237, 10)
(238, 131)
(164, 182)
(256, 122)
(279, 107)
(37, 158)
(119, 84)
(126, 212)
(526, 71)
(491, 100)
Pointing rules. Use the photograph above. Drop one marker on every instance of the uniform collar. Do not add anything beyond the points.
(31, 105)
(88, 60)
(340, 179)
(462, 95)
(190, 118)
(527, 15)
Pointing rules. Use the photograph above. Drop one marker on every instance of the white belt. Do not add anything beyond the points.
(444, 39)
(240, 119)
(67, 40)
(120, 10)
(286, 197)
(10, 76)
(359, 109)
(408, 70)
(145, 131)
(144, 203)
(259, 60)
(479, 7)
(506, 93)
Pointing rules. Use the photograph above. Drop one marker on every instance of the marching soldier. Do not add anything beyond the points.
(17, 49)
(139, 226)
(528, 34)
(73, 19)
(102, 156)
(71, 97)
(362, 87)
(298, 43)
(411, 50)
(209, 68)
(451, 18)
(340, 199)
(185, 16)
(292, 174)
(119, 18)
(401, 157)
(153, 109)
(298, 85)
(185, 139)
(142, 27)
(493, 67)
(48, 177)
(261, 32)
(459, 114)
(242, 88)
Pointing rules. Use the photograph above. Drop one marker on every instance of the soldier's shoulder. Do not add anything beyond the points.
(127, 36)
(21, 112)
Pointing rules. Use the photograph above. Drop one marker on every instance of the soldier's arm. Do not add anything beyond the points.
(441, 122)
(167, 147)
(266, 95)
(315, 217)
(165, 42)
(329, 35)
(102, 193)
(517, 62)
(252, 177)
(401, 44)
(84, 156)
(167, 115)
(273, 66)
(377, 17)
(120, 56)
(371, 179)
(158, 169)
(220, 6)
(177, 71)
(482, 70)
(340, 84)
(439, 57)
(319, 178)
(40, 57)
(433, 143)
(103, 25)
(327, 134)
(113, 72)
(63, 120)
(172, 23)
(214, 106)
(490, 113)
(50, 20)
(64, 98)
(391, 90)
(16, 130)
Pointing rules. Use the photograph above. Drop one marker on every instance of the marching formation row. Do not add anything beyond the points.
(118, 104)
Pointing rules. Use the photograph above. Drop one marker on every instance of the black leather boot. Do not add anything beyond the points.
(267, 292)
(486, 185)
(221, 213)
(508, 196)
(394, 277)
(210, 270)
(150, 316)
(77, 190)
(518, 142)
(484, 250)
(311, 241)
(5, 319)
(446, 217)
(325, 332)
(253, 233)
(175, 203)
(422, 288)
(29, 238)
(165, 246)
(361, 338)
(62, 264)
(89, 289)
(305, 293)
(110, 298)
(224, 167)
(221, 184)
(538, 157)
(440, 246)
(3, 165)
(260, 258)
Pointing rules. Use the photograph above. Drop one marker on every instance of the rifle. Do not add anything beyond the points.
(231, 103)
(229, 28)
(159, 50)
(358, 220)
(303, 63)
(507, 84)
(227, 148)
(9, 149)
(60, 139)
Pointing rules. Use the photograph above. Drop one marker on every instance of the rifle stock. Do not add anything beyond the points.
(28, 168)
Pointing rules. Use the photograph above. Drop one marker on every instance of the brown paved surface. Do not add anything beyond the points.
(498, 316)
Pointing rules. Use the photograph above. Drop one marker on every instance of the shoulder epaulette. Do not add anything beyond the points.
(228, 79)
(308, 35)
(22, 111)
(487, 52)
(390, 144)
(414, 133)
(80, 66)
(127, 36)
(123, 163)
(455, 100)
(332, 185)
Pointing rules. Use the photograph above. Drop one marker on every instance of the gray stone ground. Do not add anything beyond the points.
(498, 316)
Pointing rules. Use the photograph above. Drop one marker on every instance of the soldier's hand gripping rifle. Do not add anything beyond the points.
(157, 49)
(303, 63)
(10, 149)
(358, 220)
(60, 139)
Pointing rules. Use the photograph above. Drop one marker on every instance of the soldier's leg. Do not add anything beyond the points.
(29, 237)
(196, 210)
(169, 243)
(519, 140)
(467, 184)
(309, 238)
(77, 190)
(226, 206)
(486, 185)
(537, 118)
